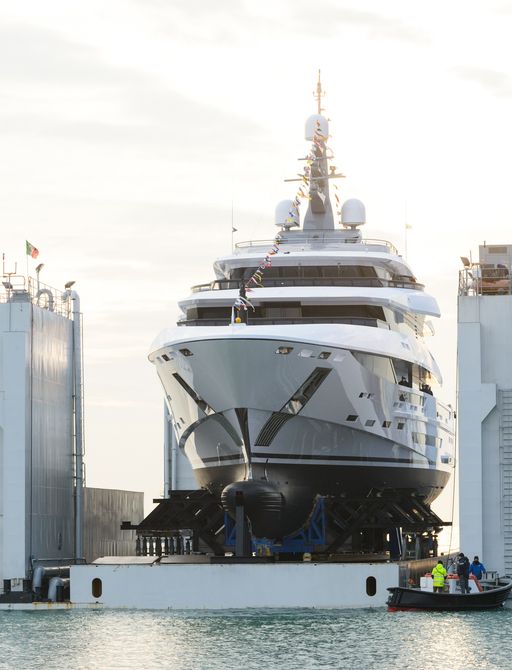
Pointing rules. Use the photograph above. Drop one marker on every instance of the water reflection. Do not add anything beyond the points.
(290, 639)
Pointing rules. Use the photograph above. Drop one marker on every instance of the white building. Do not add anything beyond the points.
(485, 407)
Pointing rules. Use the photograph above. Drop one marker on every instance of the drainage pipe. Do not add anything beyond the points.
(56, 588)
(42, 572)
(74, 299)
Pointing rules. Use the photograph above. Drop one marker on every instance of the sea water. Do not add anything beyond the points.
(259, 639)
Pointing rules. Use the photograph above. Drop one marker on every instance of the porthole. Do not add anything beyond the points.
(186, 352)
(284, 350)
(97, 588)
(165, 357)
(352, 417)
(371, 586)
(324, 354)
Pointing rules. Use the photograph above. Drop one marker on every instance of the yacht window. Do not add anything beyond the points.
(403, 372)
(400, 425)
(315, 271)
(284, 350)
(378, 365)
(306, 391)
(291, 310)
(369, 422)
(165, 357)
(186, 352)
(210, 313)
(344, 311)
(429, 440)
(281, 310)
(324, 354)
(352, 417)
(386, 424)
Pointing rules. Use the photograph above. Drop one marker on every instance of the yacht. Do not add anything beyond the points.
(301, 369)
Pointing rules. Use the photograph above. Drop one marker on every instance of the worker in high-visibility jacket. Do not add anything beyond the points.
(439, 575)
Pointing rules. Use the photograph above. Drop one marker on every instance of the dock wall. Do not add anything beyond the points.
(232, 586)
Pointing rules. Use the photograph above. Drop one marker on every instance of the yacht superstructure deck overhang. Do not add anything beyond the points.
(381, 342)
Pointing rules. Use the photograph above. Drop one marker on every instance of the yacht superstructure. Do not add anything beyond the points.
(303, 371)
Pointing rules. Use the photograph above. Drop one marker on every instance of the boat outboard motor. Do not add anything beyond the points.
(263, 504)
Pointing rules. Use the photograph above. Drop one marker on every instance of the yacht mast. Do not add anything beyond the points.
(319, 214)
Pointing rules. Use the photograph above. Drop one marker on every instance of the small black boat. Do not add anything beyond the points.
(414, 599)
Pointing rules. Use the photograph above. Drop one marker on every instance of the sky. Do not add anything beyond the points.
(128, 129)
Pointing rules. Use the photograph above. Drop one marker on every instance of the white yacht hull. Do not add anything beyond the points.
(309, 425)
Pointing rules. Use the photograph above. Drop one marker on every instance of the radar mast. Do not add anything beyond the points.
(319, 94)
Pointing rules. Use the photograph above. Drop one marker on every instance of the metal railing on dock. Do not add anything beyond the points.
(477, 280)
(20, 289)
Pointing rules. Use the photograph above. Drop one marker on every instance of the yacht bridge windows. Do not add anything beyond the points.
(401, 372)
(290, 312)
(315, 275)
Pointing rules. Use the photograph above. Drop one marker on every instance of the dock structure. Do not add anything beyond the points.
(38, 498)
(49, 519)
(485, 406)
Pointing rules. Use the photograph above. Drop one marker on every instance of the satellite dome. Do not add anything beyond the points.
(353, 213)
(317, 124)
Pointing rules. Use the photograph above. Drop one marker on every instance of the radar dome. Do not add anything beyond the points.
(317, 124)
(353, 213)
(287, 214)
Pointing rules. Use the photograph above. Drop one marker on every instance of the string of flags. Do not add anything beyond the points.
(317, 147)
(242, 302)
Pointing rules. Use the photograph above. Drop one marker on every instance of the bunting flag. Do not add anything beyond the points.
(256, 279)
(31, 250)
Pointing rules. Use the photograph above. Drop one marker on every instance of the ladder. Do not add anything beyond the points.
(505, 404)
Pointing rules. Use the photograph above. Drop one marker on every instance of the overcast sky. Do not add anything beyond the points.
(128, 128)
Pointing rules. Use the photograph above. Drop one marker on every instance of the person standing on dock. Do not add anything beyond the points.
(439, 575)
(476, 568)
(463, 572)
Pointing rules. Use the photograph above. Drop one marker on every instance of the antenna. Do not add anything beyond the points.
(319, 94)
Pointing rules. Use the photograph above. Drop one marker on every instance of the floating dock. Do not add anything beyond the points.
(151, 583)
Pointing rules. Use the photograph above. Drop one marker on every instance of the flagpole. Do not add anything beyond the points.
(406, 228)
(232, 227)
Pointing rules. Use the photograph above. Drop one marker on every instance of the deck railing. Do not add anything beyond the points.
(476, 280)
(258, 321)
(273, 282)
(20, 289)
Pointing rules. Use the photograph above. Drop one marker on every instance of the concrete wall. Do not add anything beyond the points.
(104, 511)
(484, 379)
(203, 586)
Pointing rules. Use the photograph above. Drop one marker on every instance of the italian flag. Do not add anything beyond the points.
(31, 250)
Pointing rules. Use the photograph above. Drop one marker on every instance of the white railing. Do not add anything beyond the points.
(309, 242)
